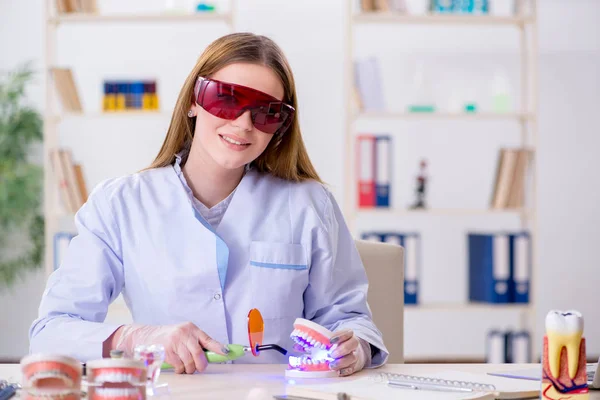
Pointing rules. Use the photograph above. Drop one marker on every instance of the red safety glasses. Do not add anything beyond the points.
(229, 101)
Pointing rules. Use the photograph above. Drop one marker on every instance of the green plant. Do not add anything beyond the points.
(20, 179)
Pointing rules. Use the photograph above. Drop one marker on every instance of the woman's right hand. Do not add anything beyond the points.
(184, 344)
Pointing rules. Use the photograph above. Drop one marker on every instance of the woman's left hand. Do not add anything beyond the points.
(348, 353)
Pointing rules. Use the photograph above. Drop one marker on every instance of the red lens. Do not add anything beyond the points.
(256, 329)
(229, 101)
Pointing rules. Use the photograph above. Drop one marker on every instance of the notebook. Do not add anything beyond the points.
(377, 386)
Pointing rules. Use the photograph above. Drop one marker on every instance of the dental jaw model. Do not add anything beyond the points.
(51, 377)
(564, 359)
(315, 341)
(116, 379)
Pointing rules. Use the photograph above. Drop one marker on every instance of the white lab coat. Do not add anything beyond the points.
(281, 247)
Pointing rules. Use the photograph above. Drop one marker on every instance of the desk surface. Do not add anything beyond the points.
(236, 381)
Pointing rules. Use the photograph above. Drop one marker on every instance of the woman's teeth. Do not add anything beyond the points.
(232, 141)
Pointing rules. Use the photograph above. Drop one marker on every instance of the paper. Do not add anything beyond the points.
(367, 388)
(506, 388)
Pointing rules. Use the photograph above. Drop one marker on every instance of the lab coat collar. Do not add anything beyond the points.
(178, 171)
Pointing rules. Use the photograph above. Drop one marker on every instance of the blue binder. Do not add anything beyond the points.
(489, 267)
(520, 258)
(412, 256)
(383, 170)
(372, 236)
(60, 244)
(411, 242)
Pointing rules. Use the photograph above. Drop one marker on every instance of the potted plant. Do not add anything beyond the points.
(21, 220)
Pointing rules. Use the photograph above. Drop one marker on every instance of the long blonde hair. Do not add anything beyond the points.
(285, 156)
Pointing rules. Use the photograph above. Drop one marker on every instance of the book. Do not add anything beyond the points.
(510, 179)
(449, 385)
(66, 88)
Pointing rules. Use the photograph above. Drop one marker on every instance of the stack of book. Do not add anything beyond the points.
(76, 6)
(382, 5)
(69, 176)
(130, 95)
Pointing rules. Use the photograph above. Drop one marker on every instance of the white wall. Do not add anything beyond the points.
(462, 155)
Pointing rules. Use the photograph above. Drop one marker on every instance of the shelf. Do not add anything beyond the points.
(438, 19)
(479, 116)
(120, 114)
(441, 307)
(165, 17)
(440, 211)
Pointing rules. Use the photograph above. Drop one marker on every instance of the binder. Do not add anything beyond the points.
(366, 174)
(520, 256)
(489, 267)
(411, 244)
(61, 244)
(518, 347)
(383, 171)
(496, 347)
(372, 236)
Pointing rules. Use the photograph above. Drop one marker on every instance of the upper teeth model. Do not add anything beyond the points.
(564, 329)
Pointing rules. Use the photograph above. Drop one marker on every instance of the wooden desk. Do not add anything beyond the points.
(235, 381)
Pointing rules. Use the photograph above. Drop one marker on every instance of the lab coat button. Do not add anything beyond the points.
(217, 296)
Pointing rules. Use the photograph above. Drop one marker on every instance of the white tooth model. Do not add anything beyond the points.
(315, 340)
(564, 358)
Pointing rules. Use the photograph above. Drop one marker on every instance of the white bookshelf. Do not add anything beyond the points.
(56, 218)
(525, 121)
(476, 116)
(439, 212)
(433, 19)
(73, 18)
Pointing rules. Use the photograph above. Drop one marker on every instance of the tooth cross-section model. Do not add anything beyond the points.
(563, 360)
(314, 340)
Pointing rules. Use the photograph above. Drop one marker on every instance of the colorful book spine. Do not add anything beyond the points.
(130, 95)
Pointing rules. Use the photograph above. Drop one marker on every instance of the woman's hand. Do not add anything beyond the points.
(349, 353)
(184, 344)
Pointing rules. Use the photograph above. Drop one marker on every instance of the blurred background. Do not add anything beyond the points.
(463, 130)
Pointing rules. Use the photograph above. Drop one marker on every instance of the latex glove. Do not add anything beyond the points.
(184, 344)
(351, 353)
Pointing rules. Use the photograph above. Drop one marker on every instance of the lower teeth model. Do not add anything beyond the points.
(315, 341)
(118, 378)
(564, 358)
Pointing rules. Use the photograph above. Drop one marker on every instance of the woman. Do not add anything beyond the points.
(230, 216)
